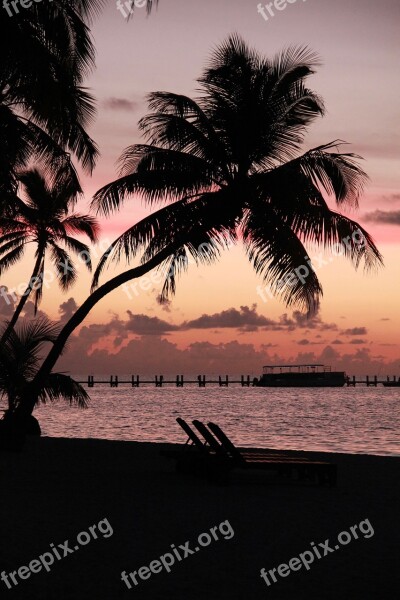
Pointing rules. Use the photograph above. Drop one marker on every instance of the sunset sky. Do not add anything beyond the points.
(218, 322)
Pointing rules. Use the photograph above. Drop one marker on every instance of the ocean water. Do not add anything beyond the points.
(352, 420)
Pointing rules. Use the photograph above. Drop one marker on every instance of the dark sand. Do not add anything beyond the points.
(56, 488)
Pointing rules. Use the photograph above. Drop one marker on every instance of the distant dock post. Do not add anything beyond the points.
(245, 382)
(179, 381)
(159, 380)
(202, 380)
(375, 381)
(367, 380)
(113, 381)
(90, 381)
(135, 382)
(223, 383)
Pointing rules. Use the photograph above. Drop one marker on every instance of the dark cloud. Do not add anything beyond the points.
(164, 303)
(387, 217)
(144, 325)
(300, 320)
(67, 309)
(120, 104)
(151, 353)
(355, 331)
(29, 311)
(246, 319)
(391, 199)
(7, 303)
(307, 342)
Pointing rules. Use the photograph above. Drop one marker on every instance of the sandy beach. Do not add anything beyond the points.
(56, 488)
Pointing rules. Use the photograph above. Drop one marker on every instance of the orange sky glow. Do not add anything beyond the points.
(219, 321)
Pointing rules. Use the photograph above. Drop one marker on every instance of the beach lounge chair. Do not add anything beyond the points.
(304, 468)
(222, 445)
(197, 458)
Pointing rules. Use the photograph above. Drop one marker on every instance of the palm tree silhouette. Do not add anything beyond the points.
(46, 51)
(44, 219)
(20, 357)
(228, 167)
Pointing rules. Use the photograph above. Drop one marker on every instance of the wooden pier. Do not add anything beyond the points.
(374, 381)
(160, 381)
(223, 381)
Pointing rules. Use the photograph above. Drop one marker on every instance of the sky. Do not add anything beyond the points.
(220, 319)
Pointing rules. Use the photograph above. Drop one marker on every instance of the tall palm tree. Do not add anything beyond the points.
(228, 165)
(20, 358)
(44, 219)
(229, 168)
(46, 51)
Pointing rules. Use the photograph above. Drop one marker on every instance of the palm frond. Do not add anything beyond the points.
(208, 219)
(159, 175)
(338, 173)
(86, 224)
(12, 257)
(36, 188)
(59, 386)
(10, 241)
(278, 255)
(65, 268)
(20, 354)
(79, 248)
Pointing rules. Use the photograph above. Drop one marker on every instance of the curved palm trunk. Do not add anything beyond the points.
(29, 400)
(23, 299)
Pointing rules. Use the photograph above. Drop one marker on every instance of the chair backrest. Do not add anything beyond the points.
(193, 437)
(226, 442)
(210, 439)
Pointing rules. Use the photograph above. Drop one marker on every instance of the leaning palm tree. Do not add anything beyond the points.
(44, 219)
(20, 358)
(228, 167)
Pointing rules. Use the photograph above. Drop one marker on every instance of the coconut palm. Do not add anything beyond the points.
(20, 358)
(46, 51)
(44, 219)
(228, 167)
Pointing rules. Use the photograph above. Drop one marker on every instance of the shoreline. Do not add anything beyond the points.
(58, 487)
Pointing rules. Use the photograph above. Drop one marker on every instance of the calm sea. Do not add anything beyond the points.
(360, 420)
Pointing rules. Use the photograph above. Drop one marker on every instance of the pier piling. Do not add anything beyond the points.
(245, 382)
(221, 381)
